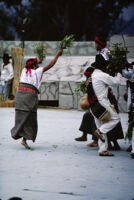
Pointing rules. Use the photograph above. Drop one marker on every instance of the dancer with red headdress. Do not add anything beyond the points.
(88, 124)
(26, 100)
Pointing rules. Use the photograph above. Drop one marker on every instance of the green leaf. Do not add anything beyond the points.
(40, 50)
(129, 131)
(117, 59)
(68, 41)
(81, 88)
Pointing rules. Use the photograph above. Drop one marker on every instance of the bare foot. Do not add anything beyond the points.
(24, 143)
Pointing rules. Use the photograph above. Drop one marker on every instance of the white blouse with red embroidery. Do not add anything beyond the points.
(33, 78)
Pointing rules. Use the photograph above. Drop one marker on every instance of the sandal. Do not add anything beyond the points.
(81, 139)
(93, 144)
(99, 135)
(106, 153)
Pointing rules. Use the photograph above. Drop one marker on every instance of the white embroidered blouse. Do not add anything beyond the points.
(34, 78)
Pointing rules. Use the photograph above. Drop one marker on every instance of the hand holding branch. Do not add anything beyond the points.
(53, 61)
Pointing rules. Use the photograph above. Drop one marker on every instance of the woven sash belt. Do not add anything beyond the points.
(27, 89)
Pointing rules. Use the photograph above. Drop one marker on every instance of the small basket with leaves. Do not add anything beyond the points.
(68, 41)
(117, 59)
(81, 89)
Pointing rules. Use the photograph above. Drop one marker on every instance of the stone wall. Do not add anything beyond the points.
(59, 82)
(64, 93)
(49, 91)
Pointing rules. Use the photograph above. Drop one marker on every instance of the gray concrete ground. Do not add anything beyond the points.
(59, 168)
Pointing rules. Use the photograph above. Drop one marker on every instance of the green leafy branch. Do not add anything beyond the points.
(130, 126)
(68, 41)
(129, 131)
(81, 88)
(117, 59)
(40, 50)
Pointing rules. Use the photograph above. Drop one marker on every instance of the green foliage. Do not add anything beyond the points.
(81, 88)
(40, 50)
(117, 59)
(129, 131)
(68, 41)
(130, 126)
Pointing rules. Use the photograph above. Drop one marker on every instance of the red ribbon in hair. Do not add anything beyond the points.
(87, 73)
(100, 42)
(29, 64)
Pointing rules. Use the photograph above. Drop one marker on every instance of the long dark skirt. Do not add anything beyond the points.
(88, 126)
(26, 125)
(116, 133)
